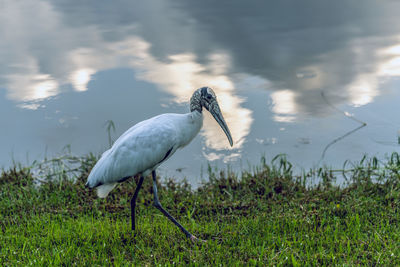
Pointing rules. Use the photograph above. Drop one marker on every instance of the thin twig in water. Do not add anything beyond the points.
(348, 115)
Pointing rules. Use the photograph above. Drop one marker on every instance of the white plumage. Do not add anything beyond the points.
(142, 148)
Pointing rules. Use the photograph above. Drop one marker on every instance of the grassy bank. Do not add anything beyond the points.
(268, 217)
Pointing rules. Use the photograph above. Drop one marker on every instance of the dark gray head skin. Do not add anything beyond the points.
(202, 97)
(205, 97)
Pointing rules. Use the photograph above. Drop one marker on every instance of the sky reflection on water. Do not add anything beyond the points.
(69, 66)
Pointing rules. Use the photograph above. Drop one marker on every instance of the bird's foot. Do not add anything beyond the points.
(195, 239)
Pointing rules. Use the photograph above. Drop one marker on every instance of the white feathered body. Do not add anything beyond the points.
(142, 148)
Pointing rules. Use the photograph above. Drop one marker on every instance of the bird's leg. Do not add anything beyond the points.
(157, 204)
(133, 201)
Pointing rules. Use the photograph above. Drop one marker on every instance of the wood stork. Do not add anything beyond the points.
(143, 147)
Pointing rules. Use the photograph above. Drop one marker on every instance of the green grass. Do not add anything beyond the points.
(268, 217)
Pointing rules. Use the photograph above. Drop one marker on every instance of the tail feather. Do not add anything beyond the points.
(103, 190)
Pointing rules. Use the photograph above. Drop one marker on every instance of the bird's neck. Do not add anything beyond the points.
(197, 116)
(195, 102)
(191, 127)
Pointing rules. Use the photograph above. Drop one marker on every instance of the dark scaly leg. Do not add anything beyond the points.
(157, 204)
(133, 201)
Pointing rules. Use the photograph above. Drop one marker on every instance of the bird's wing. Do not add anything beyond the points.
(142, 148)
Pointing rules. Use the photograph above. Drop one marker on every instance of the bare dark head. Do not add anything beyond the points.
(205, 97)
(202, 97)
(208, 97)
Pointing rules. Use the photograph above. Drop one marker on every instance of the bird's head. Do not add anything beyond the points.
(205, 97)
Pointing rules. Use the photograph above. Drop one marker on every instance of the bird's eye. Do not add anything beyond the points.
(208, 96)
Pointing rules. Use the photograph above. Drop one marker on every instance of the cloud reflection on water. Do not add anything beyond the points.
(347, 51)
(179, 75)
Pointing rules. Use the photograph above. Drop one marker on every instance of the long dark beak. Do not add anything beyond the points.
(216, 112)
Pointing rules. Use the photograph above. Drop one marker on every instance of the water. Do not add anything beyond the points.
(67, 67)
